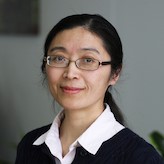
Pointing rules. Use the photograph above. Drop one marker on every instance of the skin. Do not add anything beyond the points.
(79, 92)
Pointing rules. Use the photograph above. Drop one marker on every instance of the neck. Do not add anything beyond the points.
(75, 123)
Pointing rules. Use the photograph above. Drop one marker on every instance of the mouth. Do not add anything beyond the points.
(71, 90)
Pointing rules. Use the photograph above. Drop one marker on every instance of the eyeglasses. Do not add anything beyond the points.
(87, 63)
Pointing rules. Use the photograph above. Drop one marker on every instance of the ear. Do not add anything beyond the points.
(115, 76)
(113, 79)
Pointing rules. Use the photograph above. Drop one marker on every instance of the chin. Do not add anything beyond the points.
(71, 105)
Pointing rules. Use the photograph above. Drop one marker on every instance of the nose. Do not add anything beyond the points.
(71, 72)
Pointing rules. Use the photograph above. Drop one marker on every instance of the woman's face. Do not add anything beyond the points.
(72, 87)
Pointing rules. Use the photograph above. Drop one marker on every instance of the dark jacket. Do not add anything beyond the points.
(124, 148)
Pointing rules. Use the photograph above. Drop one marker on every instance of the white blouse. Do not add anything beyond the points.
(102, 129)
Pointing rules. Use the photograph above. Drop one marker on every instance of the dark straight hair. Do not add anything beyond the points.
(99, 26)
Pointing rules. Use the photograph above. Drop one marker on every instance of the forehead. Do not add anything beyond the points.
(77, 39)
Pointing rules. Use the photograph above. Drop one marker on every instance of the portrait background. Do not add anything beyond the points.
(19, 16)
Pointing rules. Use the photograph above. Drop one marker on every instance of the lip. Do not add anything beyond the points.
(71, 90)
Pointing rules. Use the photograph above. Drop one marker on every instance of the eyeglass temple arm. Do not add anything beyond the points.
(106, 63)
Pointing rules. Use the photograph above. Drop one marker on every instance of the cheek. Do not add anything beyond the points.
(53, 76)
(99, 80)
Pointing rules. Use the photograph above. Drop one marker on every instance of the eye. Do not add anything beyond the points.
(88, 60)
(57, 59)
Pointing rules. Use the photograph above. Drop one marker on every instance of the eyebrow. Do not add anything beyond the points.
(57, 48)
(82, 49)
(91, 49)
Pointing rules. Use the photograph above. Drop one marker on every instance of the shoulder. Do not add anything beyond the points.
(25, 149)
(31, 136)
(129, 146)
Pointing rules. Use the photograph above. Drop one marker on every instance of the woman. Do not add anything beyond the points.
(82, 60)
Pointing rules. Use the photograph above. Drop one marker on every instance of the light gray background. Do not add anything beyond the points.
(25, 104)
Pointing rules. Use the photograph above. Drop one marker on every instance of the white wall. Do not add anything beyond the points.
(25, 104)
(141, 26)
